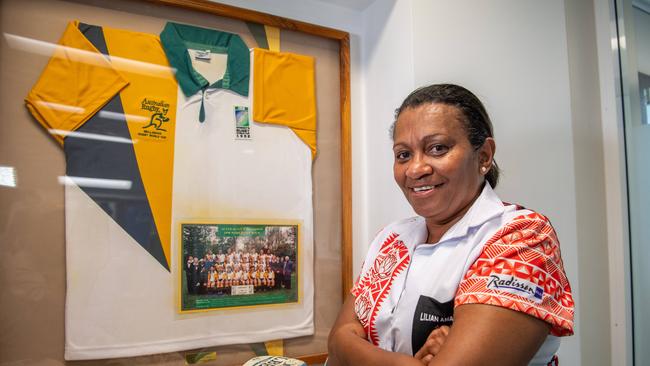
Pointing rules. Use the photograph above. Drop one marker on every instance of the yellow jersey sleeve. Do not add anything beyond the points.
(284, 92)
(76, 83)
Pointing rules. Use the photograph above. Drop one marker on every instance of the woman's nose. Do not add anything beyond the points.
(418, 168)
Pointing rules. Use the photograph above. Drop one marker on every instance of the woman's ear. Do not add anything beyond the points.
(486, 155)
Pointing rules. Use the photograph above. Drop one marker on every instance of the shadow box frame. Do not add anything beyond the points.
(342, 39)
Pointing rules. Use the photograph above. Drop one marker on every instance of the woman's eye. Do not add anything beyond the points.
(402, 155)
(438, 149)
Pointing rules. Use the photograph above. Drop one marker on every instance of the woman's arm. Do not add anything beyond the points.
(491, 335)
(432, 346)
(348, 344)
(491, 325)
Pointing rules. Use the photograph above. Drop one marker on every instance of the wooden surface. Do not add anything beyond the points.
(314, 359)
(346, 167)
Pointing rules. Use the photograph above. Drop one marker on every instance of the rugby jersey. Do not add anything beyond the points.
(497, 253)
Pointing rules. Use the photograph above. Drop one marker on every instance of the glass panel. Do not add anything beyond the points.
(119, 164)
(634, 33)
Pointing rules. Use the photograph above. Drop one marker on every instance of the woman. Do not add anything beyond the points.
(471, 280)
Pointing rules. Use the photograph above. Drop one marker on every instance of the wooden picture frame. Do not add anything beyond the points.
(18, 135)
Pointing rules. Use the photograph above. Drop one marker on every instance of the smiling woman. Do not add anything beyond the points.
(470, 280)
(431, 138)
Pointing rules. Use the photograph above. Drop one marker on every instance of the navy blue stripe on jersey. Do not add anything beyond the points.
(109, 161)
(95, 35)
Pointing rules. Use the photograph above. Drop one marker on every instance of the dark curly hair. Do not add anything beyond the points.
(477, 122)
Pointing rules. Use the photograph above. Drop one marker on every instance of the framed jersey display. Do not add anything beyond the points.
(189, 174)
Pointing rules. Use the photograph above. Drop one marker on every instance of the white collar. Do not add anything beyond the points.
(487, 206)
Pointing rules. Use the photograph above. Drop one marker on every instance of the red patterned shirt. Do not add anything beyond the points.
(498, 254)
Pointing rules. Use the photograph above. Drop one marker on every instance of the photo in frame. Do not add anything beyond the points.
(235, 265)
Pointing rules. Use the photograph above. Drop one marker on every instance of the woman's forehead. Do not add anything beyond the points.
(429, 118)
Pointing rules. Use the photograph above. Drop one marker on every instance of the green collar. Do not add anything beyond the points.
(177, 38)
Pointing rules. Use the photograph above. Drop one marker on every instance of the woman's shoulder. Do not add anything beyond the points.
(406, 224)
(517, 218)
(520, 267)
(401, 228)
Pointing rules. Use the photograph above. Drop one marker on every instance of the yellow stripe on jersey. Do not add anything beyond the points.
(284, 93)
(150, 109)
(61, 109)
(275, 348)
(272, 37)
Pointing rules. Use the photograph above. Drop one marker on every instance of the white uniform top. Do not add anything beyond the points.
(407, 287)
(219, 175)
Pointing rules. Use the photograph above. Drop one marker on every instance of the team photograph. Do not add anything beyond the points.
(231, 265)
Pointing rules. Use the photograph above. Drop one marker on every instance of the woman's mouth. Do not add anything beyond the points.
(422, 189)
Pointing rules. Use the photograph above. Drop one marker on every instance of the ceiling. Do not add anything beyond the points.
(360, 5)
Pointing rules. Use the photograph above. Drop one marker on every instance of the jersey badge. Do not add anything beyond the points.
(242, 123)
(157, 126)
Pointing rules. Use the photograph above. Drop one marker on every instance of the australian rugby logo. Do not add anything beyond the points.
(157, 121)
(158, 125)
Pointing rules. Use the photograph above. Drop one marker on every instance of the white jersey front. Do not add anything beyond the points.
(222, 172)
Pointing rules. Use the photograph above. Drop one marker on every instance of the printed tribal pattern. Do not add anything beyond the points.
(527, 251)
(371, 289)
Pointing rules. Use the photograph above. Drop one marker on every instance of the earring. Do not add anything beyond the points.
(483, 169)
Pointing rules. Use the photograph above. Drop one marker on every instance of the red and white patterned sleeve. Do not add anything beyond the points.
(356, 287)
(521, 269)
